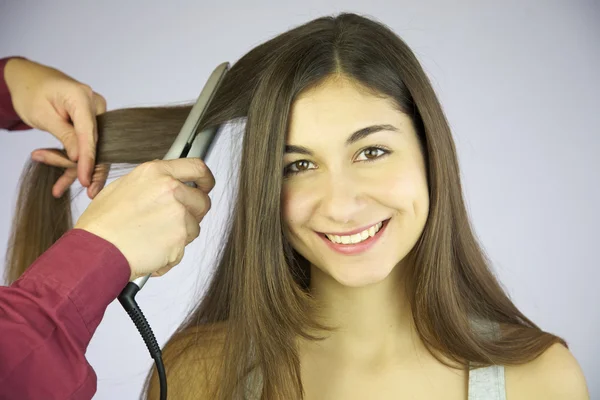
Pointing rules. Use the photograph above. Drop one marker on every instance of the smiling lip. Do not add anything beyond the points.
(356, 248)
(353, 232)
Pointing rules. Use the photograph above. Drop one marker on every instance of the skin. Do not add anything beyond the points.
(376, 353)
(345, 187)
(47, 99)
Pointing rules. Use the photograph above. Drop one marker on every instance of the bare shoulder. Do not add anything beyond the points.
(192, 359)
(554, 375)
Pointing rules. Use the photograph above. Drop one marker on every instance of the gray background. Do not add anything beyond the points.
(519, 82)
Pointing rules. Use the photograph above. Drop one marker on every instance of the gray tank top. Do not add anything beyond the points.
(486, 383)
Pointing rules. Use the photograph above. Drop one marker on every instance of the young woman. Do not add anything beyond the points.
(350, 216)
(349, 270)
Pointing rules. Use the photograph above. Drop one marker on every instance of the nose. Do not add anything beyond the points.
(343, 199)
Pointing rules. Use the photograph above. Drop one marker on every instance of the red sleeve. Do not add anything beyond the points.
(48, 317)
(8, 117)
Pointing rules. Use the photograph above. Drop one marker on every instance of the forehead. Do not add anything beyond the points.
(339, 105)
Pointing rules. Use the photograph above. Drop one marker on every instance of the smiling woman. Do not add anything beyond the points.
(360, 203)
(350, 269)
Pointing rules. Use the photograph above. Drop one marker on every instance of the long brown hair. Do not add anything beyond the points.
(259, 290)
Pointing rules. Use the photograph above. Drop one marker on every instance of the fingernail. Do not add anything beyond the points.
(37, 157)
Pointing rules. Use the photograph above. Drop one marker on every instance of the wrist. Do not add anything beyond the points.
(11, 69)
(95, 230)
(17, 84)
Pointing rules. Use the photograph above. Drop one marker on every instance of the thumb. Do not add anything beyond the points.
(190, 170)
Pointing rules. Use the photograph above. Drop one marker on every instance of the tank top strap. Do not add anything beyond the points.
(487, 383)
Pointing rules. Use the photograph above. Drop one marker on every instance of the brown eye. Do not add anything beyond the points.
(297, 167)
(373, 153)
(302, 165)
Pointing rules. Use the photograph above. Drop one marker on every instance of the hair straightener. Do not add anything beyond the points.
(187, 144)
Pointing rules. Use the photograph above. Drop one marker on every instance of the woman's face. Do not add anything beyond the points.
(354, 197)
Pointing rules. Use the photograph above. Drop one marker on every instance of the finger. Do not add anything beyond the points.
(64, 182)
(64, 132)
(98, 180)
(82, 112)
(193, 231)
(196, 202)
(169, 266)
(192, 227)
(99, 103)
(189, 170)
(52, 157)
(162, 271)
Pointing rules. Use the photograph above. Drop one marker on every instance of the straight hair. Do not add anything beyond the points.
(259, 290)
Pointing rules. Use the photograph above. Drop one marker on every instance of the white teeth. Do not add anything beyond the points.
(358, 237)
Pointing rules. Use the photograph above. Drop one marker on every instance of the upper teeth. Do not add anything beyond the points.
(356, 238)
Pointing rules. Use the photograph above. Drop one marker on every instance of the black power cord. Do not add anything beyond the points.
(127, 300)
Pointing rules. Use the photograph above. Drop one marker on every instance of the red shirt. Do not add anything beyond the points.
(48, 316)
(8, 117)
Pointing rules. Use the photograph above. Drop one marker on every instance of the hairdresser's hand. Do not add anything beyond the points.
(47, 99)
(150, 215)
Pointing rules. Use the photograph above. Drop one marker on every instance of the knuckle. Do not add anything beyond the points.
(175, 256)
(180, 255)
(87, 89)
(182, 237)
(196, 231)
(206, 204)
(171, 185)
(146, 167)
(150, 168)
(201, 169)
(153, 164)
(99, 99)
(199, 165)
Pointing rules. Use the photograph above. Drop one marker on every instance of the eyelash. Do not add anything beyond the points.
(287, 172)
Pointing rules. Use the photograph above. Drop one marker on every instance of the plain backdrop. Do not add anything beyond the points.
(518, 80)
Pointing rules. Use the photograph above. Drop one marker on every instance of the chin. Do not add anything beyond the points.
(357, 276)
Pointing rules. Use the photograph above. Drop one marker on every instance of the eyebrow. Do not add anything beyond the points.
(355, 137)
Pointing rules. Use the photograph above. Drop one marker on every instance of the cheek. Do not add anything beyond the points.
(404, 188)
(296, 205)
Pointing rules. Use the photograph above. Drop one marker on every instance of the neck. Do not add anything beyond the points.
(372, 322)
